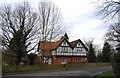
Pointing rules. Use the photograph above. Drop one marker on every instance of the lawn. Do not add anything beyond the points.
(108, 74)
(47, 68)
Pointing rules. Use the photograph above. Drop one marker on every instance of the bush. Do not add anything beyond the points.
(116, 64)
(5, 68)
(31, 58)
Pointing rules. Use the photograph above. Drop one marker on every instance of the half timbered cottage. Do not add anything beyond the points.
(62, 51)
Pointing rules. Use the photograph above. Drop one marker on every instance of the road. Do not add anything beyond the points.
(82, 72)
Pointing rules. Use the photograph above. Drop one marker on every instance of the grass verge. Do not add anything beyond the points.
(108, 74)
(47, 68)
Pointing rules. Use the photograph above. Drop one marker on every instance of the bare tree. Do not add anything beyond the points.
(19, 29)
(108, 9)
(50, 21)
(113, 33)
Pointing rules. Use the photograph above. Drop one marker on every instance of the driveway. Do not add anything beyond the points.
(82, 72)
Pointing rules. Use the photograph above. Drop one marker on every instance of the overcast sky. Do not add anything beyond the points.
(80, 18)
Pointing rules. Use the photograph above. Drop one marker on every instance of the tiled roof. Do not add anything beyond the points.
(73, 43)
(48, 46)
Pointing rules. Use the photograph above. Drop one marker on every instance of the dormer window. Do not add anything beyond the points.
(79, 45)
(64, 43)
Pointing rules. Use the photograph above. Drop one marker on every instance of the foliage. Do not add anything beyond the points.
(8, 59)
(17, 47)
(109, 10)
(106, 52)
(19, 29)
(100, 57)
(116, 64)
(91, 54)
(32, 58)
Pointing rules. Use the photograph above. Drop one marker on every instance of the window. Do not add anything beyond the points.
(75, 49)
(59, 49)
(64, 49)
(45, 59)
(69, 49)
(78, 45)
(64, 43)
(77, 59)
(63, 61)
(78, 50)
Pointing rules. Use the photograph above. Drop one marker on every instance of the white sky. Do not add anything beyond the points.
(80, 19)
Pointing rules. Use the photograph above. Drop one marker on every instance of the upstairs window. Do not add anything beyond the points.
(64, 43)
(79, 45)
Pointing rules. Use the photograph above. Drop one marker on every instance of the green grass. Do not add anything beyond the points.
(86, 65)
(47, 68)
(97, 64)
(31, 68)
(108, 74)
